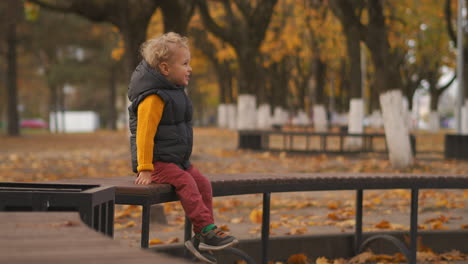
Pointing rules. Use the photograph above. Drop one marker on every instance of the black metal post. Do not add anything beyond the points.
(341, 143)
(265, 227)
(414, 225)
(358, 227)
(145, 224)
(187, 234)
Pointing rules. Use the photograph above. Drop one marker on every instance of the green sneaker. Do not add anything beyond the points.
(207, 257)
(215, 239)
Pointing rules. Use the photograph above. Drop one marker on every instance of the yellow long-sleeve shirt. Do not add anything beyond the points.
(150, 111)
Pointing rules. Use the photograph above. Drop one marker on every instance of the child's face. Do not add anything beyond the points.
(178, 69)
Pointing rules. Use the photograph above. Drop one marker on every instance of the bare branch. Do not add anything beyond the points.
(447, 85)
(261, 17)
(209, 22)
(448, 21)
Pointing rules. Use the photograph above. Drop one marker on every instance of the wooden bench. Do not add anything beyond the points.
(261, 140)
(52, 237)
(266, 183)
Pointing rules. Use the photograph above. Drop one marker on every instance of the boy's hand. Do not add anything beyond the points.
(144, 177)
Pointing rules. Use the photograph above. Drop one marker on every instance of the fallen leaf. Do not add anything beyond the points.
(322, 260)
(155, 242)
(297, 231)
(237, 220)
(439, 226)
(333, 205)
(298, 259)
(361, 258)
(224, 228)
(383, 225)
(172, 240)
(130, 224)
(339, 261)
(256, 216)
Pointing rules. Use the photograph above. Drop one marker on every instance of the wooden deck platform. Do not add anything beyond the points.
(51, 237)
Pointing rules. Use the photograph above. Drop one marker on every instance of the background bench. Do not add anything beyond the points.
(262, 140)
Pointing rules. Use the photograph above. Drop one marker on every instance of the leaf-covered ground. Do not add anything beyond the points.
(42, 157)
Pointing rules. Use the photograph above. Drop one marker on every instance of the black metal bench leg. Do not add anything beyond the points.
(414, 225)
(358, 226)
(265, 227)
(187, 234)
(145, 224)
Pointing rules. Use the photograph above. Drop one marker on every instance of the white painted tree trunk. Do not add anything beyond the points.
(464, 119)
(301, 119)
(434, 123)
(222, 116)
(320, 118)
(406, 114)
(264, 118)
(231, 110)
(396, 129)
(355, 124)
(280, 116)
(246, 112)
(376, 120)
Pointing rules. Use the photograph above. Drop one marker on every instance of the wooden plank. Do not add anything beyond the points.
(52, 237)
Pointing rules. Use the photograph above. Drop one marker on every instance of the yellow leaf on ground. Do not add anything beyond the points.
(383, 225)
(256, 216)
(224, 228)
(172, 240)
(298, 259)
(333, 205)
(237, 220)
(439, 226)
(361, 258)
(155, 242)
(130, 224)
(339, 261)
(297, 231)
(322, 260)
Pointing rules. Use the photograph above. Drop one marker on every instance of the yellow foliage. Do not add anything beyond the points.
(118, 52)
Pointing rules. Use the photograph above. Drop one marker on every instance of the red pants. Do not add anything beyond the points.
(194, 191)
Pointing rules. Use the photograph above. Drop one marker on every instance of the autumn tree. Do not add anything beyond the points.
(222, 65)
(244, 28)
(351, 30)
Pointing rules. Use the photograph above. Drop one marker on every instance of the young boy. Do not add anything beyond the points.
(162, 137)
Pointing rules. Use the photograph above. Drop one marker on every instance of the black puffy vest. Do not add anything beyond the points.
(174, 139)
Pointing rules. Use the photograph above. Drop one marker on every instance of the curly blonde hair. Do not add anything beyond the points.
(160, 49)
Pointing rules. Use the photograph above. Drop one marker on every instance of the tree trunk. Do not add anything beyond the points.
(13, 116)
(353, 47)
(320, 78)
(53, 108)
(177, 15)
(248, 71)
(396, 129)
(112, 119)
(62, 109)
(224, 76)
(387, 76)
